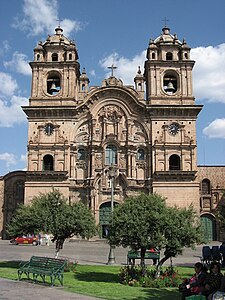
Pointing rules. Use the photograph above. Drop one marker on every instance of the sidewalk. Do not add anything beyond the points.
(18, 290)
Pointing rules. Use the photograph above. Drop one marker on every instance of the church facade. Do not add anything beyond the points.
(91, 141)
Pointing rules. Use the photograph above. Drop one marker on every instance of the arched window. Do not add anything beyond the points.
(111, 155)
(48, 163)
(153, 55)
(141, 154)
(169, 56)
(54, 57)
(70, 56)
(205, 186)
(38, 56)
(174, 162)
(81, 154)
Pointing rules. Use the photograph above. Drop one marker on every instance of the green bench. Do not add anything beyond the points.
(132, 255)
(43, 266)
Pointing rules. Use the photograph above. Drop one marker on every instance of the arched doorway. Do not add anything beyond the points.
(208, 223)
(104, 218)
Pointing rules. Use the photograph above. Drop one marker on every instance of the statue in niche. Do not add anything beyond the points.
(98, 160)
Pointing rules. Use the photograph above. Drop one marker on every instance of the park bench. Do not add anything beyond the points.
(132, 255)
(43, 266)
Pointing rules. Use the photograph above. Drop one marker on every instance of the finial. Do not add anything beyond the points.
(59, 20)
(166, 29)
(165, 21)
(84, 71)
(112, 68)
(139, 70)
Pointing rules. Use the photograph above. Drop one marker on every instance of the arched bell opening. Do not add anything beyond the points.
(53, 84)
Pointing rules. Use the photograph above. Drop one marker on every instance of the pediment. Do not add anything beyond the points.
(121, 96)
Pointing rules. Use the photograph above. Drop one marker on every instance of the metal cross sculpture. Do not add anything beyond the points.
(112, 68)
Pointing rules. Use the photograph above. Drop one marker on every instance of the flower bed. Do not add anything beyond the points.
(132, 275)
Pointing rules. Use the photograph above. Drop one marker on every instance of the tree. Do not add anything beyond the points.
(51, 213)
(146, 220)
(182, 228)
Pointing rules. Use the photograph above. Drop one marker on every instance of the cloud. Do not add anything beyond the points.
(209, 73)
(23, 158)
(8, 84)
(9, 158)
(5, 47)
(11, 112)
(126, 68)
(19, 64)
(216, 129)
(41, 17)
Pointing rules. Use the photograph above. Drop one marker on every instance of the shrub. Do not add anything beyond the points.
(70, 266)
(132, 275)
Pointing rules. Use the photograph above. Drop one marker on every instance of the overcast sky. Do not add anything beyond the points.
(107, 32)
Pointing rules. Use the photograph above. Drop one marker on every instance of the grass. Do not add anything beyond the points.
(103, 282)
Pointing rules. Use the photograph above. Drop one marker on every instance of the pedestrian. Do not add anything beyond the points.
(39, 239)
(47, 239)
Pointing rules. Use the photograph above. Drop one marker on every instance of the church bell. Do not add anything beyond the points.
(53, 88)
(170, 88)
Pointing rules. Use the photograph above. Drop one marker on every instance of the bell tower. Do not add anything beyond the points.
(55, 71)
(173, 114)
(56, 92)
(168, 71)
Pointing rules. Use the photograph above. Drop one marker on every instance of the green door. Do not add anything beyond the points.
(208, 223)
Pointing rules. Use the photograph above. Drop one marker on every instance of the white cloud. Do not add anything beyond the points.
(11, 112)
(209, 73)
(41, 17)
(216, 129)
(92, 73)
(9, 158)
(23, 157)
(19, 64)
(5, 47)
(126, 68)
(8, 84)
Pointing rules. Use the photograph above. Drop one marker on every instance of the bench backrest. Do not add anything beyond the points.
(38, 261)
(148, 254)
(46, 262)
(55, 263)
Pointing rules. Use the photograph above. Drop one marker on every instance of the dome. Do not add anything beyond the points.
(57, 39)
(167, 38)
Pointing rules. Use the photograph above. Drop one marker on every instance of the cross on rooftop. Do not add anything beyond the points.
(165, 21)
(112, 68)
(59, 20)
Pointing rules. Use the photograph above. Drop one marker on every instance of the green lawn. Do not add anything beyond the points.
(103, 282)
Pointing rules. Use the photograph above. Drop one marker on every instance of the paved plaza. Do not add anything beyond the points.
(84, 252)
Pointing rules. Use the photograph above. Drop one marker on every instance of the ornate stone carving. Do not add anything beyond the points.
(111, 113)
(81, 165)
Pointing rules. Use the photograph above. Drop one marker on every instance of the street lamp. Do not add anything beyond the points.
(112, 175)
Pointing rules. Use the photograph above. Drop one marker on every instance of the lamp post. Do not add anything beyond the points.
(112, 174)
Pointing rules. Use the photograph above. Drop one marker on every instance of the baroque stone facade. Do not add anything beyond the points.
(146, 133)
